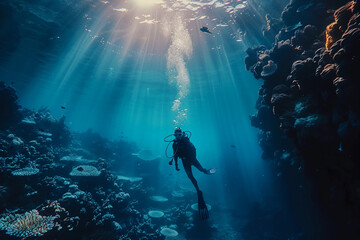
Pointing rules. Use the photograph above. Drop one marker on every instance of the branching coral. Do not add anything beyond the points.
(29, 224)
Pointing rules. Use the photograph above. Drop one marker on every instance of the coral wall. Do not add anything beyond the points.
(308, 110)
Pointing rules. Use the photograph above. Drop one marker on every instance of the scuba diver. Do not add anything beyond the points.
(184, 149)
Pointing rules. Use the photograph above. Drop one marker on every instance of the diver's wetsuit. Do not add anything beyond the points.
(185, 150)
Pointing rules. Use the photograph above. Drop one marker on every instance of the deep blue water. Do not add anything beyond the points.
(115, 68)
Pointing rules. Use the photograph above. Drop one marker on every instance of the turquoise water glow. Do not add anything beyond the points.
(118, 71)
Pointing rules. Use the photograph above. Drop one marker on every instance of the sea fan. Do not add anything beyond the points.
(29, 224)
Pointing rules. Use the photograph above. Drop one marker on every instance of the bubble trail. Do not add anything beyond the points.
(179, 52)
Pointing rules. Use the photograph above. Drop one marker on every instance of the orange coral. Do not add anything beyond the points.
(332, 34)
(335, 30)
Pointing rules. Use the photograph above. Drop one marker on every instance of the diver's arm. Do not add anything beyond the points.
(176, 157)
(176, 163)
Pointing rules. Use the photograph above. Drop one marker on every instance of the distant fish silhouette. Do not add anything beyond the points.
(305, 7)
(205, 30)
(293, 27)
(233, 146)
(340, 148)
(63, 107)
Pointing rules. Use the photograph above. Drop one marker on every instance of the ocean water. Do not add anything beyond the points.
(132, 71)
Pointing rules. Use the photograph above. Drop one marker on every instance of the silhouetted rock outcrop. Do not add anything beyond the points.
(309, 106)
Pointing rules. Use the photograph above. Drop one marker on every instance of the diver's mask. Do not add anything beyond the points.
(178, 135)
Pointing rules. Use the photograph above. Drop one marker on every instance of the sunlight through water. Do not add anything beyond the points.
(147, 3)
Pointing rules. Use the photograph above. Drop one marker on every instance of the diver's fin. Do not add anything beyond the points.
(203, 211)
(211, 171)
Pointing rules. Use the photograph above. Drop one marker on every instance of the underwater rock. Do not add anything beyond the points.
(335, 30)
(252, 57)
(9, 107)
(106, 219)
(305, 37)
(303, 72)
(281, 103)
(272, 27)
(85, 171)
(349, 43)
(289, 16)
(269, 69)
(284, 54)
(309, 108)
(343, 87)
(264, 118)
(329, 72)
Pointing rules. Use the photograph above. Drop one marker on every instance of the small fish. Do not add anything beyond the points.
(305, 7)
(205, 30)
(293, 27)
(340, 148)
(63, 107)
(233, 146)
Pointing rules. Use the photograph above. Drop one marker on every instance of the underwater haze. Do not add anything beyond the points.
(92, 90)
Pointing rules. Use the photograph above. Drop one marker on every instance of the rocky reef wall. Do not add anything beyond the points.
(308, 110)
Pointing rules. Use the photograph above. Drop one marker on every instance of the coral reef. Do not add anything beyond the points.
(308, 107)
(27, 225)
(46, 169)
(9, 108)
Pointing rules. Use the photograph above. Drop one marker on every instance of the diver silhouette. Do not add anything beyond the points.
(184, 149)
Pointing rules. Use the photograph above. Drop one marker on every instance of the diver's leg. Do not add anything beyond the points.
(197, 164)
(190, 175)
